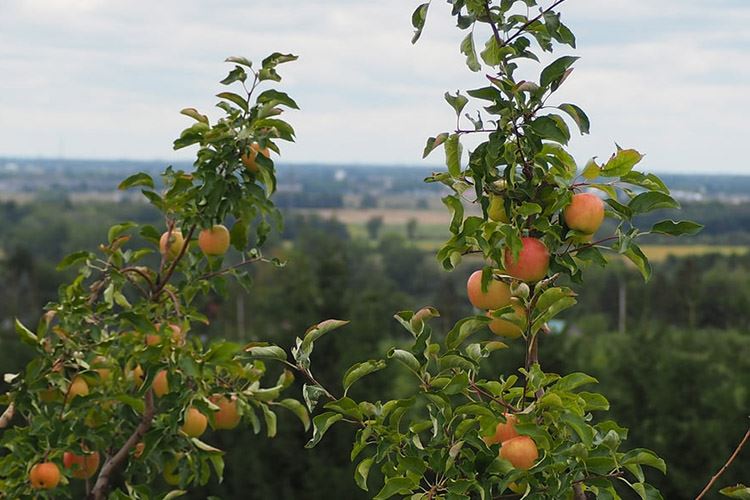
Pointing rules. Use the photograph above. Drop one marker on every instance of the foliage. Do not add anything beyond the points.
(437, 443)
(128, 315)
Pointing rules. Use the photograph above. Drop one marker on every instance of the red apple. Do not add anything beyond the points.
(532, 263)
(585, 213)
(520, 451)
(497, 295)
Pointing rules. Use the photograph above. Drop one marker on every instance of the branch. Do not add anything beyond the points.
(227, 269)
(726, 466)
(530, 22)
(170, 271)
(115, 461)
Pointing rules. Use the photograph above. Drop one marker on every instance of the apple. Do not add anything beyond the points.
(138, 449)
(214, 240)
(136, 375)
(497, 295)
(585, 213)
(100, 364)
(49, 395)
(160, 384)
(520, 451)
(82, 466)
(178, 336)
(78, 387)
(170, 473)
(504, 430)
(228, 416)
(195, 423)
(496, 209)
(505, 328)
(171, 244)
(532, 263)
(44, 476)
(248, 158)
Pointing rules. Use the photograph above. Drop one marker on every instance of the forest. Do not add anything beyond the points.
(672, 355)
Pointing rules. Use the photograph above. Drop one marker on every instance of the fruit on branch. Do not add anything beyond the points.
(170, 474)
(78, 387)
(520, 451)
(44, 476)
(170, 245)
(504, 431)
(506, 328)
(135, 375)
(81, 466)
(214, 240)
(532, 263)
(138, 450)
(160, 384)
(585, 213)
(496, 209)
(178, 336)
(228, 416)
(248, 157)
(49, 395)
(497, 295)
(100, 365)
(195, 423)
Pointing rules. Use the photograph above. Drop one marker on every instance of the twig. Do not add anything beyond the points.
(115, 461)
(530, 22)
(227, 269)
(725, 467)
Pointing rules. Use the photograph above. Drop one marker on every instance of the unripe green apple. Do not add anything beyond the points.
(585, 213)
(497, 295)
(496, 209)
(171, 244)
(532, 263)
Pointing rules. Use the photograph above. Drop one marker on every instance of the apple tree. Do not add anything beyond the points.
(125, 380)
(530, 218)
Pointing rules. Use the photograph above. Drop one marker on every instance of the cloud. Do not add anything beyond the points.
(106, 79)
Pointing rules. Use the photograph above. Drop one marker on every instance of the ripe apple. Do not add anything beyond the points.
(496, 297)
(214, 240)
(44, 476)
(496, 209)
(504, 430)
(228, 416)
(532, 263)
(585, 213)
(171, 244)
(135, 375)
(178, 337)
(195, 423)
(248, 158)
(160, 384)
(520, 451)
(82, 466)
(506, 328)
(78, 387)
(100, 365)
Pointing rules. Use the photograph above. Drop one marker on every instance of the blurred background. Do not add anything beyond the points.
(87, 82)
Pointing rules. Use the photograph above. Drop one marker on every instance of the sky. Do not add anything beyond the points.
(102, 79)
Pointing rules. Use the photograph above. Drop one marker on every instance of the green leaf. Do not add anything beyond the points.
(551, 127)
(239, 60)
(175, 494)
(553, 73)
(361, 473)
(433, 143)
(26, 335)
(577, 115)
(646, 491)
(195, 115)
(591, 170)
(418, 18)
(359, 370)
(621, 163)
(673, 228)
(463, 329)
(276, 97)
(653, 200)
(395, 486)
(298, 409)
(204, 446)
(457, 384)
(315, 332)
(321, 424)
(404, 357)
(579, 426)
(573, 381)
(139, 179)
(642, 456)
(267, 352)
(458, 102)
(74, 258)
(637, 257)
(468, 49)
(236, 99)
(118, 229)
(270, 418)
(453, 155)
(739, 491)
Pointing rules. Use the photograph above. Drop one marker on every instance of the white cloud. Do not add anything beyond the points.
(106, 79)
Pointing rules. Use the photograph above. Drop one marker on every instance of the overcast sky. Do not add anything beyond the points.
(106, 79)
